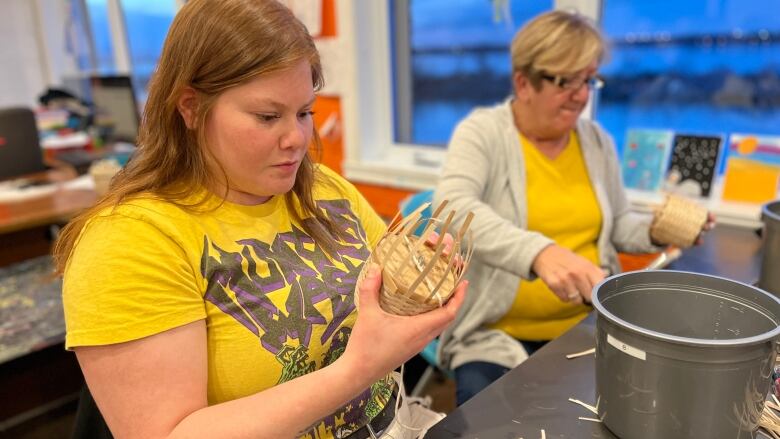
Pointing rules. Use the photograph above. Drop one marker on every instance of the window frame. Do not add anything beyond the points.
(60, 66)
(371, 155)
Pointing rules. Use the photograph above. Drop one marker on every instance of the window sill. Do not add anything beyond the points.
(399, 166)
(413, 176)
(408, 176)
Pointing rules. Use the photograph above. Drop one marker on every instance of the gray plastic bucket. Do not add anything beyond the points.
(770, 261)
(683, 355)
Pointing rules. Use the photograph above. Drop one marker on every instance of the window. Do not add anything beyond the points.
(102, 43)
(127, 36)
(698, 67)
(450, 58)
(147, 24)
(418, 67)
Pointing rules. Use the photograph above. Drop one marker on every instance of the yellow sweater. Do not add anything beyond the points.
(563, 207)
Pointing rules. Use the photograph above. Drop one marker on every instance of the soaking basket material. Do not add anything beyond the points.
(683, 355)
(678, 222)
(770, 259)
(418, 275)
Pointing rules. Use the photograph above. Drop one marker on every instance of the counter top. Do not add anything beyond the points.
(31, 316)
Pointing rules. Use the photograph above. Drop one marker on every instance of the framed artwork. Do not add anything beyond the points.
(693, 165)
(752, 168)
(645, 155)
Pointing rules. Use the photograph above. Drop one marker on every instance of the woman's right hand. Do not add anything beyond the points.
(570, 276)
(380, 341)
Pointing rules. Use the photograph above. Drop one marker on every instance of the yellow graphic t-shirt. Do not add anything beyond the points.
(276, 305)
(563, 207)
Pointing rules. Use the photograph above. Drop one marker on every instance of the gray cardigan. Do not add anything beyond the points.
(485, 173)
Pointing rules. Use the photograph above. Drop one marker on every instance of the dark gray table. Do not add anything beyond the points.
(534, 395)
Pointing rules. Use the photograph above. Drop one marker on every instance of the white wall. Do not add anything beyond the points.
(22, 76)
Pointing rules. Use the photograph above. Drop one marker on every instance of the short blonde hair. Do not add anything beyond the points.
(556, 42)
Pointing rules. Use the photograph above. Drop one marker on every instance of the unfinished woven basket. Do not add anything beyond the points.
(417, 275)
(678, 222)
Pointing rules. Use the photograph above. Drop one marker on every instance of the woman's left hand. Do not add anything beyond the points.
(381, 341)
(447, 241)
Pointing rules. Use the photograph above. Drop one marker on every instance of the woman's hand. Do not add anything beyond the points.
(708, 225)
(448, 242)
(380, 341)
(570, 276)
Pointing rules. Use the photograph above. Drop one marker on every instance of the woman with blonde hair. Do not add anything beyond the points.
(551, 212)
(211, 292)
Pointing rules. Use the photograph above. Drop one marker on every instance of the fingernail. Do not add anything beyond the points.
(373, 270)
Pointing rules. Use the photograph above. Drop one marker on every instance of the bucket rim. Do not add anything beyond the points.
(689, 341)
(768, 212)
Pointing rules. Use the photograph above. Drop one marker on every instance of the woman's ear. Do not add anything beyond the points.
(188, 106)
(521, 85)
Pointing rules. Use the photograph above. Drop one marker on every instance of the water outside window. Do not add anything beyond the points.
(708, 67)
(459, 59)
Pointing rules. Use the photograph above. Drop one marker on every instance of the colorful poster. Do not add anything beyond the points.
(644, 158)
(752, 169)
(692, 167)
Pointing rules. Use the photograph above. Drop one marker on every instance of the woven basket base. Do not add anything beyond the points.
(678, 222)
(394, 299)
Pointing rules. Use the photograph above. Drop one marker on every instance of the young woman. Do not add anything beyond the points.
(211, 293)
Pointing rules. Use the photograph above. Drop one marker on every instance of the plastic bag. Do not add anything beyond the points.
(412, 418)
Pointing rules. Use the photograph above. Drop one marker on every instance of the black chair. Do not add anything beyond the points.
(20, 151)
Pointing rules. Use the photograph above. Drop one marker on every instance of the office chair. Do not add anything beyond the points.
(20, 151)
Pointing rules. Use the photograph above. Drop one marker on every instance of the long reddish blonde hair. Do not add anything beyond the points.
(211, 46)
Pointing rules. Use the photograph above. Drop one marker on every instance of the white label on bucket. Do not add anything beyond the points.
(630, 350)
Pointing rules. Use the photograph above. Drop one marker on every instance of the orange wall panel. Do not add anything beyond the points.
(327, 110)
(329, 19)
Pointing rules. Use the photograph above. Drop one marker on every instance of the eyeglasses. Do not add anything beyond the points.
(574, 83)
